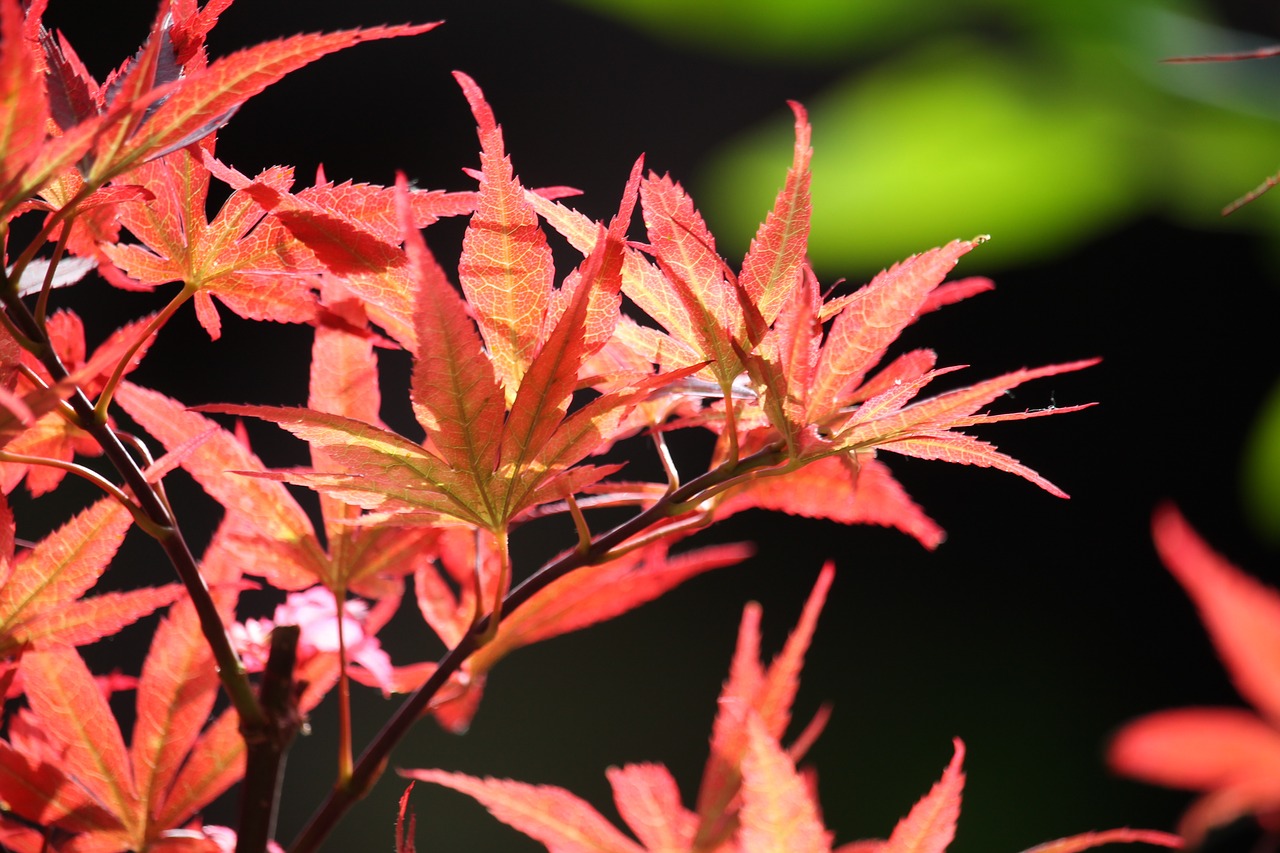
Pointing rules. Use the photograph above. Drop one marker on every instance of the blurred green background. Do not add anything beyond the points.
(1100, 173)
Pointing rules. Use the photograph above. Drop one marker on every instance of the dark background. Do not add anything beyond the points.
(1038, 627)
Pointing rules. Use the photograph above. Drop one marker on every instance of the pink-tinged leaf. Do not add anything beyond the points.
(545, 391)
(455, 393)
(773, 265)
(1090, 840)
(551, 815)
(45, 580)
(1241, 615)
(207, 99)
(386, 471)
(873, 319)
(710, 309)
(965, 450)
(839, 489)
(1197, 749)
(215, 764)
(506, 268)
(778, 814)
(175, 697)
(956, 291)
(599, 593)
(87, 620)
(750, 690)
(276, 535)
(886, 416)
(73, 710)
(931, 823)
(649, 801)
(782, 679)
(345, 248)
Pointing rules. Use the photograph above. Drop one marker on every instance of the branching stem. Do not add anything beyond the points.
(374, 759)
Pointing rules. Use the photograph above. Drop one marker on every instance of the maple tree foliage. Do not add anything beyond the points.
(752, 798)
(522, 378)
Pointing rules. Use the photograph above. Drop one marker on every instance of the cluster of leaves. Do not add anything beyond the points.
(518, 384)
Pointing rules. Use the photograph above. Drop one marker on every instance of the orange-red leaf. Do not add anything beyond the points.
(840, 489)
(176, 692)
(931, 823)
(693, 300)
(598, 593)
(455, 392)
(506, 268)
(40, 599)
(649, 801)
(554, 816)
(873, 319)
(73, 710)
(773, 264)
(1241, 615)
(205, 100)
(276, 537)
(752, 689)
(778, 814)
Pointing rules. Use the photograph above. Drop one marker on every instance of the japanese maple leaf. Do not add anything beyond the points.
(793, 372)
(251, 263)
(65, 764)
(930, 826)
(499, 436)
(1230, 755)
(42, 601)
(169, 94)
(52, 436)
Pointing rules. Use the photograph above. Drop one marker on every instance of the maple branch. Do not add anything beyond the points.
(374, 758)
(155, 517)
(266, 748)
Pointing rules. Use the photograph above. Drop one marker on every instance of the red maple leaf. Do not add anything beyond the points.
(42, 589)
(1230, 755)
(65, 763)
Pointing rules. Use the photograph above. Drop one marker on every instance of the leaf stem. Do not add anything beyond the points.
(157, 322)
(344, 694)
(79, 470)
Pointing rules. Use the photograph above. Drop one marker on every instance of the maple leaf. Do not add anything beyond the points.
(250, 262)
(930, 826)
(1230, 755)
(41, 590)
(499, 435)
(66, 765)
(782, 377)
